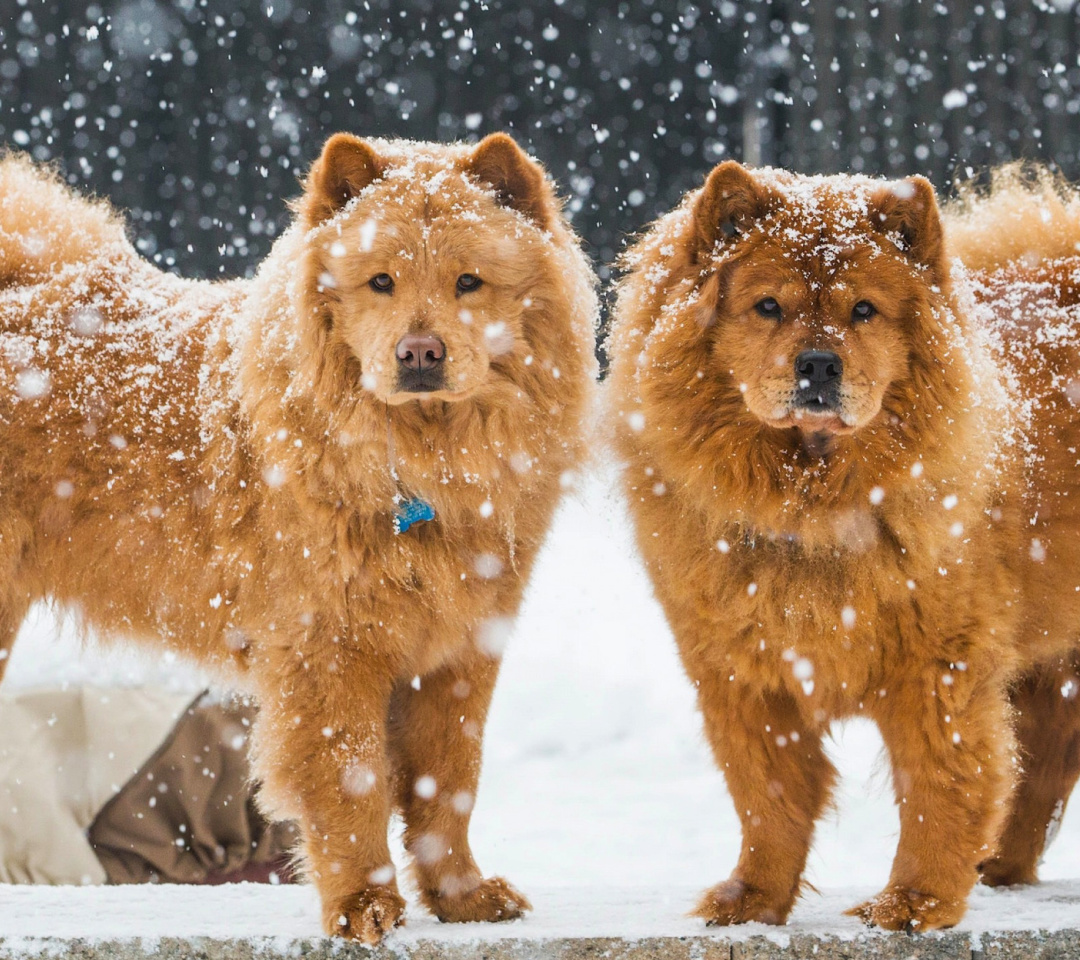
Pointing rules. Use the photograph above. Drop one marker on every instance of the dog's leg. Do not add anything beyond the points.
(1047, 721)
(780, 780)
(951, 749)
(15, 599)
(320, 750)
(11, 618)
(436, 730)
(14, 605)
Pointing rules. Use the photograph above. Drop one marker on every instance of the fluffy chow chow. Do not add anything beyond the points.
(328, 482)
(852, 467)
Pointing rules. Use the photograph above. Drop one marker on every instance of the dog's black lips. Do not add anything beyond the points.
(416, 381)
(822, 397)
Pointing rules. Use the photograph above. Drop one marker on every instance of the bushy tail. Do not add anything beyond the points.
(45, 225)
(1027, 214)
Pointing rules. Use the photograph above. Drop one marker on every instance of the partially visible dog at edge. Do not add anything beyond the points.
(328, 482)
(849, 436)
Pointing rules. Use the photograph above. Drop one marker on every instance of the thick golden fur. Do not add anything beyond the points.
(910, 556)
(215, 467)
(1021, 237)
(1027, 215)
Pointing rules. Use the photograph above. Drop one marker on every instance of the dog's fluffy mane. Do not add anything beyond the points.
(325, 396)
(697, 433)
(265, 401)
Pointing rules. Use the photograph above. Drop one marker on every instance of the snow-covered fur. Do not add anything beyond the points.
(1021, 239)
(1027, 213)
(900, 545)
(217, 467)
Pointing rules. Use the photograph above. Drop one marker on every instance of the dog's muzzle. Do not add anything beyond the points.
(420, 364)
(818, 376)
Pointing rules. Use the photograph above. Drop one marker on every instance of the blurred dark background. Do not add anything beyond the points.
(197, 116)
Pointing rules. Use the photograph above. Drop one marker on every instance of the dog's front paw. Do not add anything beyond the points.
(367, 916)
(735, 901)
(488, 901)
(896, 908)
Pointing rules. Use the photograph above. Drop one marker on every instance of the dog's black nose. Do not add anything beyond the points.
(818, 367)
(420, 353)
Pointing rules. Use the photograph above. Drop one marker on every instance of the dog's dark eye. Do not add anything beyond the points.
(768, 308)
(467, 282)
(863, 310)
(382, 283)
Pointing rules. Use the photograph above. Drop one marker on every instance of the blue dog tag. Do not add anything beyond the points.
(412, 511)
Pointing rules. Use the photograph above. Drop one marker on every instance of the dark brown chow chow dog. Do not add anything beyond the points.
(852, 467)
(329, 481)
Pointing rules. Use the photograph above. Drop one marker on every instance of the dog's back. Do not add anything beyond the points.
(45, 226)
(1020, 241)
(1027, 215)
(111, 400)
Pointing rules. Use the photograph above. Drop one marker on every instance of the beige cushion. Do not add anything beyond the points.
(63, 755)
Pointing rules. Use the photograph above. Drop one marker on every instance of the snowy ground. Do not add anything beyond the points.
(247, 911)
(599, 797)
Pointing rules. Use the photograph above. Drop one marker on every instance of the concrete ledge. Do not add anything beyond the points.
(1018, 945)
(266, 923)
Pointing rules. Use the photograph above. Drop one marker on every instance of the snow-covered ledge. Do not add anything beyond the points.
(256, 922)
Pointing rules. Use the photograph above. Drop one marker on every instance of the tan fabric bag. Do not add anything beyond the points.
(189, 815)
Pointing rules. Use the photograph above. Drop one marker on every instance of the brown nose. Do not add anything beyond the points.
(420, 353)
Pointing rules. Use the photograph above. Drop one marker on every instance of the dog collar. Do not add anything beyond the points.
(408, 512)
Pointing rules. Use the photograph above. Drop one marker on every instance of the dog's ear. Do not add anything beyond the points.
(347, 165)
(909, 209)
(731, 199)
(515, 177)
